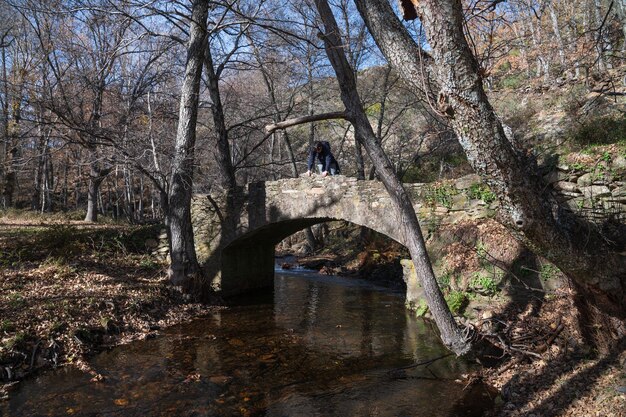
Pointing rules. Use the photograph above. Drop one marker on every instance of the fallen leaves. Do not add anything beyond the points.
(60, 309)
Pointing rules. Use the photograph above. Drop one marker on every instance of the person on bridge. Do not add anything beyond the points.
(327, 164)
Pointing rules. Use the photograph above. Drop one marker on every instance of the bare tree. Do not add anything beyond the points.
(525, 206)
(451, 334)
(184, 264)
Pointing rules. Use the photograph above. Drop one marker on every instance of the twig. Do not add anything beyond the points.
(422, 363)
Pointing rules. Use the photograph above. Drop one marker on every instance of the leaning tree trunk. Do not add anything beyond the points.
(451, 334)
(525, 206)
(184, 264)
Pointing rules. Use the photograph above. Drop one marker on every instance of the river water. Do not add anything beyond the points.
(315, 346)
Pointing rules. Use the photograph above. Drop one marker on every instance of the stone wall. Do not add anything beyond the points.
(592, 189)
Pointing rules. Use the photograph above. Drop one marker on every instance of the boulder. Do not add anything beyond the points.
(585, 180)
(466, 182)
(566, 186)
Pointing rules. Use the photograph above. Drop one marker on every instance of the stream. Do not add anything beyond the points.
(314, 346)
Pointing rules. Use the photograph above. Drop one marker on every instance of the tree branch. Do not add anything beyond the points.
(305, 119)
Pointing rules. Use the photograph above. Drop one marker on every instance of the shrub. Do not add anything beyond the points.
(440, 194)
(457, 300)
(484, 285)
(481, 192)
(600, 131)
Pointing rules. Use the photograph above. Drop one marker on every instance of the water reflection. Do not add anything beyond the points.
(324, 346)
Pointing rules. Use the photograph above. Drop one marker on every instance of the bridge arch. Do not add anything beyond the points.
(237, 254)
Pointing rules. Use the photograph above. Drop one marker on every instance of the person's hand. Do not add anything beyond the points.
(308, 173)
(324, 173)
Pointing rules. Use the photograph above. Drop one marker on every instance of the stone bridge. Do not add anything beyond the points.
(237, 254)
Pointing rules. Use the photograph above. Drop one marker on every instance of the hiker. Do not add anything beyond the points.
(327, 163)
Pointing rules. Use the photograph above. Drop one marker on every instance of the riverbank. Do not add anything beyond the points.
(551, 367)
(69, 290)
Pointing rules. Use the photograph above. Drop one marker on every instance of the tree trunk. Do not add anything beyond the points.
(451, 334)
(92, 193)
(602, 42)
(620, 8)
(96, 175)
(184, 264)
(557, 34)
(358, 154)
(525, 206)
(226, 172)
(5, 126)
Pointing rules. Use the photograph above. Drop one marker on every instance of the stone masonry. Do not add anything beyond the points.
(237, 254)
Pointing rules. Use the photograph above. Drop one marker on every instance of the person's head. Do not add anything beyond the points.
(318, 147)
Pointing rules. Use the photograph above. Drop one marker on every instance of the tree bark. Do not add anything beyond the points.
(305, 119)
(96, 176)
(451, 334)
(184, 264)
(526, 208)
(620, 8)
(226, 172)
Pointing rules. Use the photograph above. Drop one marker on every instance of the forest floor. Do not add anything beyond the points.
(69, 290)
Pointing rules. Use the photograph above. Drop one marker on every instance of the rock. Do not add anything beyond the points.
(466, 182)
(596, 191)
(459, 201)
(566, 186)
(556, 176)
(619, 193)
(619, 162)
(585, 180)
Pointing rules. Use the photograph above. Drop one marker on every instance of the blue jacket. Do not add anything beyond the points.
(325, 158)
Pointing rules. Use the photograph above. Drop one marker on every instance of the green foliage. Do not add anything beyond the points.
(59, 240)
(444, 280)
(422, 308)
(600, 131)
(148, 262)
(481, 192)
(504, 67)
(12, 256)
(373, 110)
(548, 272)
(6, 325)
(15, 342)
(456, 300)
(16, 300)
(483, 284)
(512, 81)
(427, 170)
(440, 194)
